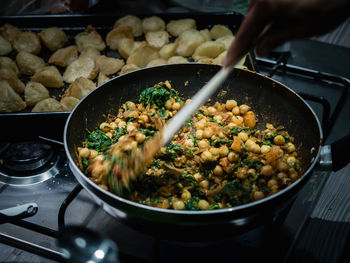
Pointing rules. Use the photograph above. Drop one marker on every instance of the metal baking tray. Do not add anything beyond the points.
(26, 124)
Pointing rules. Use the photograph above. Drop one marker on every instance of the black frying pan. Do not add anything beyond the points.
(271, 101)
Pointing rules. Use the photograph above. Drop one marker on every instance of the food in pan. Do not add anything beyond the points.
(177, 27)
(218, 159)
(107, 65)
(53, 38)
(48, 105)
(152, 24)
(35, 92)
(29, 63)
(132, 21)
(49, 76)
(80, 87)
(28, 42)
(89, 38)
(157, 39)
(64, 56)
(9, 100)
(82, 67)
(5, 46)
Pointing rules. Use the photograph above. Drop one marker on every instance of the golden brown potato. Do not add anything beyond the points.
(128, 68)
(218, 31)
(69, 103)
(5, 46)
(11, 77)
(177, 27)
(142, 56)
(35, 92)
(90, 53)
(82, 67)
(206, 34)
(10, 101)
(168, 50)
(28, 42)
(9, 32)
(157, 39)
(48, 105)
(49, 76)
(108, 65)
(89, 38)
(80, 87)
(53, 38)
(226, 41)
(219, 58)
(127, 46)
(205, 60)
(29, 63)
(152, 24)
(102, 78)
(132, 21)
(156, 62)
(116, 34)
(177, 59)
(64, 56)
(188, 41)
(209, 49)
(6, 62)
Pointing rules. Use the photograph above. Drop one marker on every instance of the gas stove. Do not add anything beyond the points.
(35, 172)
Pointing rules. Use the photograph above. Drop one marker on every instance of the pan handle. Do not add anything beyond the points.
(340, 153)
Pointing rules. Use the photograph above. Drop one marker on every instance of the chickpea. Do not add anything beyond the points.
(279, 140)
(265, 149)
(121, 124)
(267, 170)
(282, 175)
(109, 134)
(132, 114)
(213, 137)
(291, 159)
(104, 126)
(281, 166)
(130, 127)
(293, 176)
(84, 153)
(117, 120)
(140, 137)
(243, 108)
(176, 106)
(218, 171)
(218, 118)
(203, 204)
(271, 182)
(206, 156)
(99, 157)
(223, 151)
(214, 151)
(243, 136)
(274, 189)
(235, 110)
(252, 146)
(179, 205)
(233, 157)
(168, 105)
(199, 134)
(144, 118)
(186, 195)
(286, 181)
(242, 173)
(290, 147)
(230, 104)
(252, 172)
(211, 110)
(207, 133)
(231, 125)
(130, 146)
(221, 135)
(203, 143)
(258, 195)
(188, 143)
(197, 177)
(113, 125)
(204, 184)
(200, 125)
(130, 105)
(93, 154)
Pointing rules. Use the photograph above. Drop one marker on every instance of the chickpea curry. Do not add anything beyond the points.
(218, 159)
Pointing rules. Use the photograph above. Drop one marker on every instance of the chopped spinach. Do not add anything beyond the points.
(158, 95)
(193, 138)
(200, 112)
(217, 142)
(97, 140)
(85, 163)
(119, 132)
(270, 137)
(212, 120)
(252, 163)
(147, 132)
(236, 130)
(192, 204)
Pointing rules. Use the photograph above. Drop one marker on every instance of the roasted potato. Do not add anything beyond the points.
(6, 62)
(80, 87)
(11, 77)
(69, 103)
(132, 21)
(90, 53)
(89, 38)
(157, 39)
(206, 34)
(128, 68)
(35, 92)
(152, 24)
(168, 50)
(82, 67)
(226, 41)
(218, 31)
(48, 105)
(64, 56)
(108, 65)
(9, 32)
(188, 41)
(156, 62)
(205, 60)
(10, 101)
(127, 46)
(28, 42)
(209, 49)
(29, 63)
(49, 76)
(142, 56)
(177, 27)
(177, 59)
(118, 33)
(102, 78)
(5, 46)
(53, 38)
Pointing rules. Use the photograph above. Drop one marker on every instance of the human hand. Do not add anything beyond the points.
(270, 23)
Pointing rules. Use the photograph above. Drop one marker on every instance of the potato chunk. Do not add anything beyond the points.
(53, 38)
(209, 49)
(10, 101)
(29, 63)
(108, 65)
(157, 62)
(132, 21)
(142, 56)
(64, 56)
(82, 67)
(116, 34)
(226, 41)
(127, 46)
(6, 62)
(9, 32)
(69, 103)
(177, 27)
(157, 39)
(128, 68)
(168, 50)
(90, 53)
(89, 38)
(206, 34)
(28, 42)
(218, 31)
(35, 92)
(5, 46)
(49, 76)
(177, 59)
(80, 87)
(152, 24)
(48, 105)
(102, 78)
(11, 77)
(188, 41)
